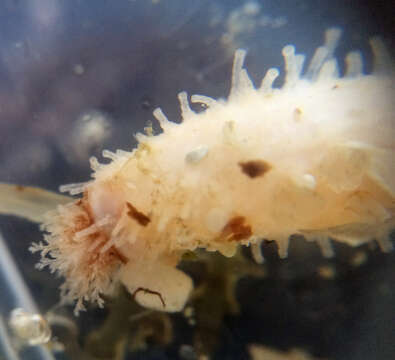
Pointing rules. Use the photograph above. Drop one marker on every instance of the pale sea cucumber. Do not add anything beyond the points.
(314, 157)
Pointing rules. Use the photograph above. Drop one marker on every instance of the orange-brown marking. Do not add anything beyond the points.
(334, 87)
(81, 222)
(148, 291)
(114, 252)
(108, 257)
(93, 260)
(141, 218)
(19, 188)
(86, 219)
(236, 229)
(254, 168)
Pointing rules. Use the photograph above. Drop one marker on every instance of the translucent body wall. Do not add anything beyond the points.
(78, 78)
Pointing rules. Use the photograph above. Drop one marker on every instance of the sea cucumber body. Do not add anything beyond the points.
(313, 158)
(328, 158)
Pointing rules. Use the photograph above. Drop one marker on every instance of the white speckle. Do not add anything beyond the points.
(251, 8)
(90, 130)
(131, 185)
(309, 181)
(197, 154)
(78, 69)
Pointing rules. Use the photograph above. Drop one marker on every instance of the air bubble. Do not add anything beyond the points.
(30, 327)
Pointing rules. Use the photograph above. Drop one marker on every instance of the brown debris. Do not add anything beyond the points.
(112, 255)
(148, 291)
(83, 221)
(114, 252)
(236, 229)
(254, 168)
(141, 218)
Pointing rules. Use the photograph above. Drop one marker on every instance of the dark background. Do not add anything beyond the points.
(137, 55)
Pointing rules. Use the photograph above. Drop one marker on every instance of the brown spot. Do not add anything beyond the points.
(334, 87)
(81, 222)
(109, 257)
(148, 291)
(114, 252)
(85, 219)
(254, 168)
(141, 218)
(236, 229)
(19, 188)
